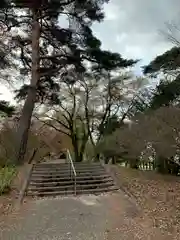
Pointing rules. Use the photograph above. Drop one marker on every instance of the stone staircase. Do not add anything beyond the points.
(48, 179)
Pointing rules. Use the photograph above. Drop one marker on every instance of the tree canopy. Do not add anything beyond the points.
(168, 90)
(6, 109)
(47, 50)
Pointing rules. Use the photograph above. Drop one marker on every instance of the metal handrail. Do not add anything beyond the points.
(72, 169)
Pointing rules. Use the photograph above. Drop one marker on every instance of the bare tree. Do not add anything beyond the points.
(172, 33)
(87, 104)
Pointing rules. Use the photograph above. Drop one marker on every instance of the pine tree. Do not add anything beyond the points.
(6, 109)
(47, 49)
(168, 90)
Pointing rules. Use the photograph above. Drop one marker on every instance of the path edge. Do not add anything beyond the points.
(128, 195)
(26, 179)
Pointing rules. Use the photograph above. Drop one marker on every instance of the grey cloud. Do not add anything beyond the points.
(132, 27)
(149, 15)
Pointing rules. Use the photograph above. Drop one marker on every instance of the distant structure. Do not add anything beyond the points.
(128, 122)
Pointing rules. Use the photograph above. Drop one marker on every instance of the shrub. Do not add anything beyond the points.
(41, 140)
(155, 134)
(6, 176)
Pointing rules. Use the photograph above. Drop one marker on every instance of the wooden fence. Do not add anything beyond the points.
(147, 166)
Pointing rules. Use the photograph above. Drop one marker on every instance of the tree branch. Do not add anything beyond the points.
(60, 122)
(51, 125)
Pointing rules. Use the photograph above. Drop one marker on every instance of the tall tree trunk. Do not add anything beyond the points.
(75, 146)
(78, 150)
(83, 147)
(25, 120)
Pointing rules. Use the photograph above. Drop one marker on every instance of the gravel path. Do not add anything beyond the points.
(105, 217)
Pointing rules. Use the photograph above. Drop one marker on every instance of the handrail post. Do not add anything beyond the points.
(75, 186)
(72, 169)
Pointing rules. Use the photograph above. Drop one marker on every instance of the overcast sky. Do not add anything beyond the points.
(132, 28)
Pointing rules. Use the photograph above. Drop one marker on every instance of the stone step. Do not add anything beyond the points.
(67, 178)
(54, 179)
(64, 164)
(67, 168)
(71, 182)
(71, 192)
(67, 171)
(66, 187)
(64, 174)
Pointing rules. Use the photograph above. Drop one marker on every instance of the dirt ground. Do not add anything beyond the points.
(157, 195)
(108, 216)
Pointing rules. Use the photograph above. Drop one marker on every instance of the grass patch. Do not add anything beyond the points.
(7, 175)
